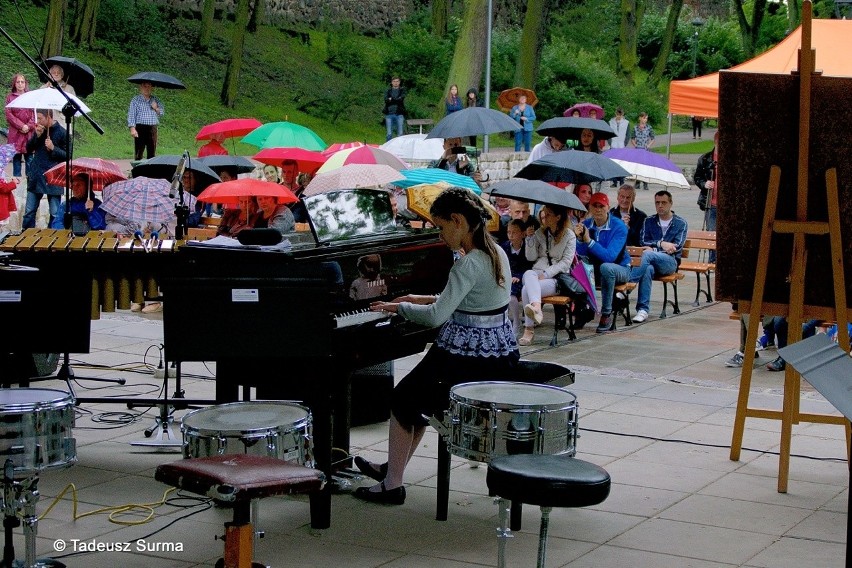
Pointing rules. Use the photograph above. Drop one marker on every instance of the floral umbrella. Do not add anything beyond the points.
(284, 135)
(362, 155)
(101, 172)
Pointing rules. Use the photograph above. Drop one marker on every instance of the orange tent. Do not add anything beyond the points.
(832, 40)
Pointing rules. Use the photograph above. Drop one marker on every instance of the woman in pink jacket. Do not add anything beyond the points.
(21, 122)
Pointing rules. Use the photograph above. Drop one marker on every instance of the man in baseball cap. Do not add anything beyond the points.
(601, 238)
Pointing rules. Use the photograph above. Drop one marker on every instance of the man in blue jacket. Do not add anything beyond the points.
(601, 238)
(663, 236)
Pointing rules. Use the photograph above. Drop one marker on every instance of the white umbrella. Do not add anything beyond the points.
(46, 98)
(415, 147)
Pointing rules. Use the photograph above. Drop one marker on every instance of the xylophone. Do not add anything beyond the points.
(123, 269)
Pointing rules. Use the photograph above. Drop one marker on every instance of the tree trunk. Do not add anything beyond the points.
(668, 40)
(55, 29)
(235, 62)
(257, 15)
(469, 56)
(205, 34)
(532, 40)
(631, 20)
(750, 32)
(440, 16)
(85, 19)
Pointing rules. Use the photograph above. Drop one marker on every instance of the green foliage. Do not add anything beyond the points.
(136, 28)
(504, 55)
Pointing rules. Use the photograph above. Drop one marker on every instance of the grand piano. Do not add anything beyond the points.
(293, 322)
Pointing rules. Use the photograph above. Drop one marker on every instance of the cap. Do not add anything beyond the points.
(600, 198)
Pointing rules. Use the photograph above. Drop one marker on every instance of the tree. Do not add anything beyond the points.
(469, 56)
(532, 41)
(235, 62)
(750, 32)
(794, 14)
(257, 15)
(55, 29)
(666, 46)
(205, 33)
(85, 19)
(440, 15)
(628, 32)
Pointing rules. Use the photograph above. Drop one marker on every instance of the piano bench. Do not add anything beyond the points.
(239, 479)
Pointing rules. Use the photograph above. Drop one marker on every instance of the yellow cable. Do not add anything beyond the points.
(116, 510)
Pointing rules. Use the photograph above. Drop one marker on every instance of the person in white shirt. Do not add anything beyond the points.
(621, 127)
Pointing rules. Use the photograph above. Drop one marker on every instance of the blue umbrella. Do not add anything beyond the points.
(434, 175)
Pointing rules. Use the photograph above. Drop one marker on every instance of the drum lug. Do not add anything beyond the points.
(221, 445)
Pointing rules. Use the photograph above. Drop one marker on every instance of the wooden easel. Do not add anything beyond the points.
(795, 310)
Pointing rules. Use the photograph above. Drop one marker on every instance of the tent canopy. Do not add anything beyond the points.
(832, 40)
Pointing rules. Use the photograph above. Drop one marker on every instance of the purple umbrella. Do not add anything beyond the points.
(648, 166)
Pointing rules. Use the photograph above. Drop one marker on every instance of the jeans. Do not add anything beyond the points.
(710, 225)
(653, 263)
(611, 274)
(524, 136)
(390, 119)
(17, 159)
(780, 324)
(30, 209)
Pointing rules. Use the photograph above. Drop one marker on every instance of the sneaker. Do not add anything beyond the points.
(736, 360)
(640, 316)
(778, 364)
(534, 313)
(605, 323)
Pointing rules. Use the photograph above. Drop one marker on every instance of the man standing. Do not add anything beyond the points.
(663, 237)
(143, 116)
(643, 137)
(47, 145)
(620, 126)
(632, 217)
(601, 238)
(394, 110)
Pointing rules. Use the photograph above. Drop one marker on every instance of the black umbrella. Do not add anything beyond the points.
(215, 163)
(157, 79)
(473, 121)
(534, 191)
(163, 167)
(77, 74)
(570, 128)
(573, 166)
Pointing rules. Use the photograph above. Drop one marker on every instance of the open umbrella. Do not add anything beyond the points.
(284, 135)
(77, 74)
(163, 167)
(535, 191)
(473, 121)
(509, 98)
(572, 166)
(46, 98)
(157, 79)
(101, 172)
(420, 198)
(228, 128)
(414, 147)
(239, 163)
(362, 155)
(648, 167)
(306, 160)
(418, 176)
(570, 128)
(584, 109)
(337, 146)
(352, 176)
(141, 200)
(231, 191)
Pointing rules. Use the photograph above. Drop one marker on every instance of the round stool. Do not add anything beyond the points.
(547, 481)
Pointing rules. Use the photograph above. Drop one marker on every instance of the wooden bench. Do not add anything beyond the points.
(563, 317)
(699, 242)
(420, 123)
(668, 279)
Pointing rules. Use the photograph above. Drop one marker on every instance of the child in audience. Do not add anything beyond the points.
(515, 248)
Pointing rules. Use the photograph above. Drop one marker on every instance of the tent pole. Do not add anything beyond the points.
(669, 147)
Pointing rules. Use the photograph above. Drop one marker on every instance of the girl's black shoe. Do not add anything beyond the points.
(385, 496)
(370, 470)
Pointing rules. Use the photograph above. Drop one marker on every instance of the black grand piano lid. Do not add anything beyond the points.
(344, 214)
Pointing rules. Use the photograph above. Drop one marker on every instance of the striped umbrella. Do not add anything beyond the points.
(101, 172)
(362, 155)
(142, 200)
(337, 146)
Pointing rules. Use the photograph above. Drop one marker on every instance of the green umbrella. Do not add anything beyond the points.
(284, 135)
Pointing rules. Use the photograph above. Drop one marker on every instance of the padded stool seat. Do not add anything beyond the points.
(547, 481)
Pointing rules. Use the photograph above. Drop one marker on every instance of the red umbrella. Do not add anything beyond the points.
(337, 146)
(584, 109)
(101, 172)
(306, 160)
(228, 128)
(230, 192)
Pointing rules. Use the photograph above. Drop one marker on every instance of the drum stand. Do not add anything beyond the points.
(165, 437)
(21, 495)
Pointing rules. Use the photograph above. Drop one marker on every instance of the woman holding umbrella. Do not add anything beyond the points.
(21, 123)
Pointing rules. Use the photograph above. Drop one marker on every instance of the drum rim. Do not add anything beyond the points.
(456, 397)
(55, 403)
(186, 428)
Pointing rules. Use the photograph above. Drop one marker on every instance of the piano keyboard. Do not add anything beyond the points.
(348, 319)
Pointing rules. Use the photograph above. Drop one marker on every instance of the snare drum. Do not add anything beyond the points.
(35, 429)
(274, 429)
(489, 419)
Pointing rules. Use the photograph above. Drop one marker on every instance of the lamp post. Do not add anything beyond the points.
(697, 22)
